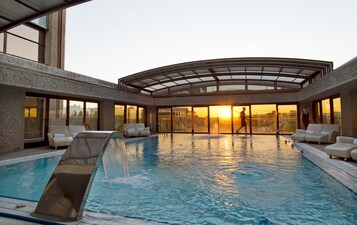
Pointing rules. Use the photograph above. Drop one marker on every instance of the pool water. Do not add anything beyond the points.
(207, 179)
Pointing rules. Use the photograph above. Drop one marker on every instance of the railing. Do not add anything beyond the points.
(162, 126)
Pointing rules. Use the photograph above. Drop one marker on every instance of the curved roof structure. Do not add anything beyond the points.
(16, 12)
(230, 75)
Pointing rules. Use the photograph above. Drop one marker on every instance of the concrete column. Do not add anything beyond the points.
(151, 118)
(106, 119)
(349, 113)
(12, 105)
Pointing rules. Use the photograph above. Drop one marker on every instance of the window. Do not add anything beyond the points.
(141, 115)
(58, 112)
(237, 122)
(328, 110)
(326, 115)
(131, 112)
(200, 119)
(119, 117)
(34, 118)
(76, 112)
(92, 115)
(220, 119)
(23, 41)
(164, 119)
(264, 119)
(182, 119)
(287, 116)
(337, 111)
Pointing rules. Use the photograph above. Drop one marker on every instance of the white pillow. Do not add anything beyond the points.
(58, 135)
(140, 129)
(355, 141)
(325, 132)
(131, 129)
(75, 134)
(309, 132)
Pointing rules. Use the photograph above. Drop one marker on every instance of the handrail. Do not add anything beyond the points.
(162, 126)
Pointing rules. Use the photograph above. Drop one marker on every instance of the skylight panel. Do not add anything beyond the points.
(290, 70)
(298, 80)
(207, 78)
(254, 69)
(158, 86)
(238, 77)
(181, 82)
(193, 80)
(169, 84)
(224, 77)
(287, 79)
(173, 75)
(272, 69)
(269, 77)
(254, 77)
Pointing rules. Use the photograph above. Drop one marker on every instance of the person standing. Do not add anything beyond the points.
(243, 122)
(305, 117)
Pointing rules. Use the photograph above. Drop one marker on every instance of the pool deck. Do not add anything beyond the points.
(15, 211)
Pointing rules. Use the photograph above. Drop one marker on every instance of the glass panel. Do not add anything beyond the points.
(21, 47)
(92, 115)
(287, 119)
(264, 119)
(337, 111)
(34, 117)
(26, 32)
(40, 21)
(76, 113)
(2, 42)
(200, 119)
(220, 119)
(164, 119)
(119, 117)
(182, 119)
(326, 115)
(58, 112)
(141, 115)
(131, 113)
(318, 113)
(241, 118)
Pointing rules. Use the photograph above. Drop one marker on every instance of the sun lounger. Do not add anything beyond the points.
(342, 148)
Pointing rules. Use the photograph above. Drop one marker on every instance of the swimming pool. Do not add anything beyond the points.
(206, 179)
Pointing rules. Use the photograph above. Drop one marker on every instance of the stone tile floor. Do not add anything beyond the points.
(344, 172)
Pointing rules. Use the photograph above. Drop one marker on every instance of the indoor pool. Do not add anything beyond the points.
(205, 179)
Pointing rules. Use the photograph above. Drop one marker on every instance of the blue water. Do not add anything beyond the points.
(200, 179)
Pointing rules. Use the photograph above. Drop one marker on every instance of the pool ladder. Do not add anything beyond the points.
(162, 126)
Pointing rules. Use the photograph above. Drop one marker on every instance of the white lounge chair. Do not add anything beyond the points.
(342, 148)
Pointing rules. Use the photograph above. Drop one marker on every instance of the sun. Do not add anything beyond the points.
(225, 112)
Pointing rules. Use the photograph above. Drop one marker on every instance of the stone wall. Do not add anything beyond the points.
(12, 104)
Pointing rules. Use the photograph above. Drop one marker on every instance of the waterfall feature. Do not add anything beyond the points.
(115, 162)
(66, 192)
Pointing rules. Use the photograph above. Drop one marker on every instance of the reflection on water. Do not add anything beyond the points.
(222, 179)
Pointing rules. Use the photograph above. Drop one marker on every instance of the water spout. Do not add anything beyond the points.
(66, 193)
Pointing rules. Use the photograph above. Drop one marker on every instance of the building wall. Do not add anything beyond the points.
(12, 104)
(55, 39)
(18, 77)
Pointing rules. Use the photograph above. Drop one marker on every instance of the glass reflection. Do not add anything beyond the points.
(200, 119)
(220, 119)
(287, 119)
(182, 119)
(264, 119)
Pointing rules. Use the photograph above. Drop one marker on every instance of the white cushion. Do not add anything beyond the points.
(58, 135)
(140, 128)
(325, 132)
(74, 134)
(354, 142)
(309, 132)
(131, 129)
